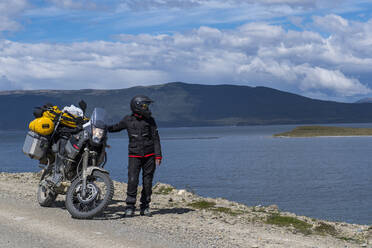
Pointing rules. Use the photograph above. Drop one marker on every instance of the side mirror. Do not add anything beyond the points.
(83, 105)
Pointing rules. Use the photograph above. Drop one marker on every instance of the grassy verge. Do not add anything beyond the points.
(202, 204)
(207, 205)
(287, 221)
(313, 131)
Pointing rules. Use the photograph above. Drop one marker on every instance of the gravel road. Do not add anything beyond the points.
(175, 223)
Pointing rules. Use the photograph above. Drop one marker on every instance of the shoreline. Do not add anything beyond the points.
(200, 218)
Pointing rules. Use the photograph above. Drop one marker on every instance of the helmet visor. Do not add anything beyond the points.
(145, 105)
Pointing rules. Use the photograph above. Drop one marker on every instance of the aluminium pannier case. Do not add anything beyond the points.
(35, 145)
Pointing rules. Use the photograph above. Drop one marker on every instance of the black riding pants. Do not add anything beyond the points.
(135, 165)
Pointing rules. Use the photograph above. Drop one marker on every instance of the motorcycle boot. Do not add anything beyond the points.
(129, 212)
(145, 212)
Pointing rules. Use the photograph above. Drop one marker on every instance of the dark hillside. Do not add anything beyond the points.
(181, 104)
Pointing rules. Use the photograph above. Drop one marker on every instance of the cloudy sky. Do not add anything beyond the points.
(321, 49)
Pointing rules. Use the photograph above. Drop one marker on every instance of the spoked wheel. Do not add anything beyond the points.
(98, 194)
(45, 195)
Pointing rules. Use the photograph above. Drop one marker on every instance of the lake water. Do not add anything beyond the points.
(325, 177)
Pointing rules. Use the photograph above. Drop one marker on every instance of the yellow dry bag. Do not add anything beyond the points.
(66, 119)
(43, 126)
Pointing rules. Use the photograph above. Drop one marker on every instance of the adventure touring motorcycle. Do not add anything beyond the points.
(79, 144)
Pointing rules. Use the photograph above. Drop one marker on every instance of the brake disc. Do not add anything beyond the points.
(90, 194)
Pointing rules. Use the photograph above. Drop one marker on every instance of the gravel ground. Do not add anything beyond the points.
(180, 219)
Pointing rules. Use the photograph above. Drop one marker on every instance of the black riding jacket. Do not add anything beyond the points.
(143, 136)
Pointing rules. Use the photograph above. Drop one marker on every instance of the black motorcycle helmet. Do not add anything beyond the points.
(140, 105)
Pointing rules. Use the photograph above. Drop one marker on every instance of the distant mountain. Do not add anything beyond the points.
(365, 100)
(181, 104)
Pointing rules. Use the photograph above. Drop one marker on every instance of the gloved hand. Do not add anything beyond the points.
(109, 128)
(157, 162)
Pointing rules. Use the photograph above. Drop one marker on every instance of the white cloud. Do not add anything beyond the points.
(124, 5)
(253, 54)
(332, 23)
(264, 6)
(305, 77)
(214, 11)
(147, 4)
(79, 4)
(331, 80)
(147, 12)
(9, 11)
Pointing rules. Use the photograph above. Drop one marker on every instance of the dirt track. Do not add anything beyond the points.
(23, 223)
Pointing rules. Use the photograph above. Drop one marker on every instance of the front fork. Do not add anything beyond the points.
(86, 154)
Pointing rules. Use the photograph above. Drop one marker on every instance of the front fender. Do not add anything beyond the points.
(91, 169)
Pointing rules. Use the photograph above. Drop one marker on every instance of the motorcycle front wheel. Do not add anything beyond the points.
(99, 192)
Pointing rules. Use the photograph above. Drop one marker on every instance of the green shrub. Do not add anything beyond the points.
(299, 225)
(202, 204)
(207, 205)
(324, 228)
(227, 211)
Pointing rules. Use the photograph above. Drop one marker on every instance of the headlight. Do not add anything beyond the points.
(97, 134)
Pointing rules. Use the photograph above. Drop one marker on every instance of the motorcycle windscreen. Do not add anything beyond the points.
(98, 118)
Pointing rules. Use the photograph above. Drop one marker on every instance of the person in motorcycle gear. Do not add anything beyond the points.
(144, 152)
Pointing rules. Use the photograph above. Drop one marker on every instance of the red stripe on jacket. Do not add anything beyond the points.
(145, 156)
